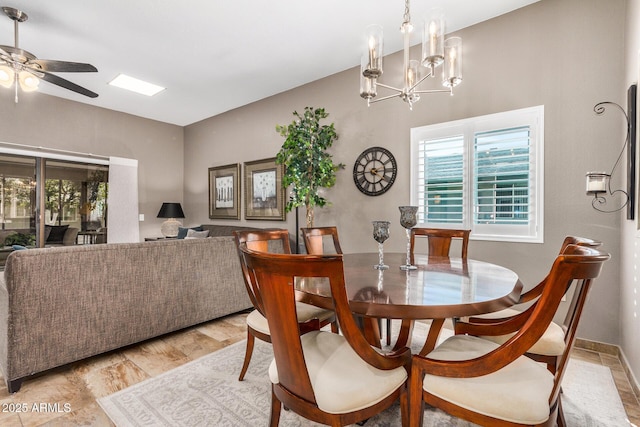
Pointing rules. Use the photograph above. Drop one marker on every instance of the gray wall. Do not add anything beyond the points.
(564, 54)
(630, 236)
(43, 120)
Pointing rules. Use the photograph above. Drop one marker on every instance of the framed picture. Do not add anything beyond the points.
(264, 193)
(224, 192)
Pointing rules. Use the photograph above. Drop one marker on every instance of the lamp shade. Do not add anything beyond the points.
(171, 210)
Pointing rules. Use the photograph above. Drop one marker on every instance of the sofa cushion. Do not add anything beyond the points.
(193, 234)
(182, 231)
(56, 233)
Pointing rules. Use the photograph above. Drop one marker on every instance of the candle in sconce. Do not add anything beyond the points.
(597, 186)
(433, 37)
(372, 53)
(411, 77)
(452, 62)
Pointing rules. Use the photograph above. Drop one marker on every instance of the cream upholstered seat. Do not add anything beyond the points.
(517, 393)
(496, 384)
(325, 377)
(306, 312)
(342, 382)
(309, 317)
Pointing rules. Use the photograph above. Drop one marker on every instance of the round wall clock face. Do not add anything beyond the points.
(375, 171)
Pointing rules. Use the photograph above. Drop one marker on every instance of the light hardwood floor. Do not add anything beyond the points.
(67, 396)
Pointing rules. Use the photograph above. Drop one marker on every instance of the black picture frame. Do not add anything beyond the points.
(224, 192)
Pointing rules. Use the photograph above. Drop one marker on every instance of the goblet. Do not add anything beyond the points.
(380, 234)
(408, 219)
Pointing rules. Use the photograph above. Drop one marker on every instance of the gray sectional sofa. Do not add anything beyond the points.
(60, 305)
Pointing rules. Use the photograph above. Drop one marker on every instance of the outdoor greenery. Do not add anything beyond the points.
(308, 166)
(20, 239)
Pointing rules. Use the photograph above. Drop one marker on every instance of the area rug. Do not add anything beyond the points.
(206, 392)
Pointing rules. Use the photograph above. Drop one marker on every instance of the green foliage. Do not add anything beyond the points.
(307, 165)
(20, 239)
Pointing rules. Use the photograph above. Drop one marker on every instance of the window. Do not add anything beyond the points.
(483, 173)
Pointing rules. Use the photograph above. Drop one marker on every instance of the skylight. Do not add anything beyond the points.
(135, 85)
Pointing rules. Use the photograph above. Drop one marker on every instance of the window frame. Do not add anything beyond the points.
(533, 117)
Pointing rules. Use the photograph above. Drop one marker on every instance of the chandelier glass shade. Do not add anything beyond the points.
(436, 53)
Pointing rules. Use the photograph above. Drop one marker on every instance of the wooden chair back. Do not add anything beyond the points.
(314, 239)
(535, 292)
(439, 240)
(275, 276)
(273, 240)
(576, 267)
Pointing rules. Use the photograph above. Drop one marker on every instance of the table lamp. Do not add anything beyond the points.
(171, 211)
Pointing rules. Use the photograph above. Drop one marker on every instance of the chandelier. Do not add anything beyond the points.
(436, 51)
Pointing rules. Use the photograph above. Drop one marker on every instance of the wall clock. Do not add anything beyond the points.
(375, 171)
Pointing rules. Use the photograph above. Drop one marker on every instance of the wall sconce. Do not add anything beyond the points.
(599, 183)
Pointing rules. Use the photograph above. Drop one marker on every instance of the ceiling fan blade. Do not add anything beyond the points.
(59, 81)
(63, 66)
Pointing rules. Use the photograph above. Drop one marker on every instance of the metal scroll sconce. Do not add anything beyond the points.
(599, 183)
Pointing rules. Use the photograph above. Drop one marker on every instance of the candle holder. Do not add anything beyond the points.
(408, 219)
(380, 234)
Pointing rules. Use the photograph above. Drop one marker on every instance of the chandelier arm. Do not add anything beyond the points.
(411, 89)
(389, 87)
(432, 91)
(384, 98)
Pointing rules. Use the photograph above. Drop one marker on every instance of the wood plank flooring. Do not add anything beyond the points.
(67, 396)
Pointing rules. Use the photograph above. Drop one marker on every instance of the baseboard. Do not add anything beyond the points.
(612, 350)
(632, 378)
(600, 347)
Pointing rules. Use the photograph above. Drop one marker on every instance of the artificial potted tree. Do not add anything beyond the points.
(308, 166)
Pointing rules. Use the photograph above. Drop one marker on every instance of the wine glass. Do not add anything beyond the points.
(380, 234)
(408, 219)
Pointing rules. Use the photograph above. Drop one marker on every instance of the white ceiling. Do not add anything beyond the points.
(213, 55)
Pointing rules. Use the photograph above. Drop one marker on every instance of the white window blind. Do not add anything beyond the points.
(483, 173)
(501, 176)
(441, 180)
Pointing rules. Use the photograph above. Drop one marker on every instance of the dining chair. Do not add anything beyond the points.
(496, 384)
(439, 240)
(314, 240)
(309, 317)
(328, 378)
(551, 345)
(439, 244)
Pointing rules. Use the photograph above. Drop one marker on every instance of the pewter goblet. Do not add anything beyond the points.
(380, 234)
(408, 219)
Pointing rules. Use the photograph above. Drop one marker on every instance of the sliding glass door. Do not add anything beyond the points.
(76, 195)
(71, 196)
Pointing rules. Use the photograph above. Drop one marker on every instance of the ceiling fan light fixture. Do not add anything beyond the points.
(25, 70)
(6, 76)
(136, 85)
(28, 82)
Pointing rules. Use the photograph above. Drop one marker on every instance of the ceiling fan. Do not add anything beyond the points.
(22, 68)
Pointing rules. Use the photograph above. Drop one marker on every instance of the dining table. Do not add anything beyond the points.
(439, 288)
